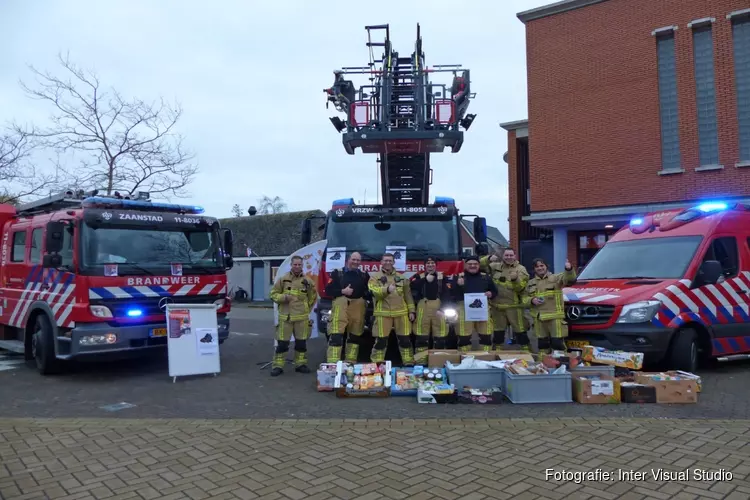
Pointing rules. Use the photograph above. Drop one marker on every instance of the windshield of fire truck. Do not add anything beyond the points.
(151, 250)
(667, 258)
(437, 238)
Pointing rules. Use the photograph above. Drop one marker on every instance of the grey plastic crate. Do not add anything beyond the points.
(539, 388)
(480, 378)
(606, 370)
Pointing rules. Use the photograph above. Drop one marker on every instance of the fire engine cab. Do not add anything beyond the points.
(674, 285)
(85, 276)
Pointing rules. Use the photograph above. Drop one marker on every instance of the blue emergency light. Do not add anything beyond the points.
(636, 221)
(100, 201)
(712, 206)
(344, 202)
(444, 200)
(134, 313)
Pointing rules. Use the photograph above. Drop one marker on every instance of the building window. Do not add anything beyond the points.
(741, 37)
(705, 94)
(668, 109)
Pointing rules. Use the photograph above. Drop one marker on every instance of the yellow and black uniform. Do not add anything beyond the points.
(473, 283)
(347, 313)
(507, 309)
(391, 310)
(550, 327)
(294, 318)
(429, 295)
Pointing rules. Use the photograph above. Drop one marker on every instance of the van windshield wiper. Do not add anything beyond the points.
(139, 267)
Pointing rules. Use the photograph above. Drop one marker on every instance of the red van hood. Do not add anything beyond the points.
(615, 292)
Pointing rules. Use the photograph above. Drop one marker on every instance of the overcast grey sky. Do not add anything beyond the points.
(250, 75)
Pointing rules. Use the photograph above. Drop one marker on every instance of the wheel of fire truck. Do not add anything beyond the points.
(43, 347)
(684, 351)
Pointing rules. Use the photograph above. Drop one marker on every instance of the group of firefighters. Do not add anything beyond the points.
(424, 305)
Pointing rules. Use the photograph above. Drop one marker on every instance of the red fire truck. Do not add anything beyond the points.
(403, 117)
(85, 276)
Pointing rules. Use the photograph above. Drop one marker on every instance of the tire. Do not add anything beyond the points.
(43, 347)
(683, 353)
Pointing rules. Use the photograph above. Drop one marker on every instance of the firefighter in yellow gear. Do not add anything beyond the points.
(545, 296)
(428, 291)
(472, 281)
(510, 278)
(348, 288)
(393, 309)
(295, 294)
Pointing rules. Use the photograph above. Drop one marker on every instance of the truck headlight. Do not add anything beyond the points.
(325, 315)
(100, 311)
(450, 313)
(639, 312)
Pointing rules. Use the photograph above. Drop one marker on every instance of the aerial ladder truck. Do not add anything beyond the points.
(403, 117)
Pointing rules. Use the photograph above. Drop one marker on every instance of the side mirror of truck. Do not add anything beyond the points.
(52, 261)
(53, 243)
(480, 229)
(482, 249)
(228, 248)
(709, 273)
(306, 232)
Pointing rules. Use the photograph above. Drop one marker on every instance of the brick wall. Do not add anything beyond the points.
(513, 206)
(594, 133)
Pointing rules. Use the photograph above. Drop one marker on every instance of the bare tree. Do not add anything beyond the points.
(268, 205)
(236, 210)
(18, 178)
(122, 145)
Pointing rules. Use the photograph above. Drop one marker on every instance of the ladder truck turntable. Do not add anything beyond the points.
(86, 276)
(402, 117)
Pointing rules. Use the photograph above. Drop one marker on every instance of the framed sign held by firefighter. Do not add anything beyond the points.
(192, 340)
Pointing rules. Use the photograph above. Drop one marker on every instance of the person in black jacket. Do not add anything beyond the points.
(473, 281)
(429, 294)
(348, 288)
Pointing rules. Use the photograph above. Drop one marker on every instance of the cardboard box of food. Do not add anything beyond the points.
(688, 375)
(684, 390)
(637, 393)
(595, 388)
(442, 396)
(326, 377)
(496, 355)
(632, 360)
(436, 358)
(347, 389)
(491, 396)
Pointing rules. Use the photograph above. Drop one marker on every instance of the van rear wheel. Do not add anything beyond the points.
(684, 351)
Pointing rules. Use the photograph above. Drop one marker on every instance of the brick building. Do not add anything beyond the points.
(634, 106)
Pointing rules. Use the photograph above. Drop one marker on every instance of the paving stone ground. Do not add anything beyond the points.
(469, 459)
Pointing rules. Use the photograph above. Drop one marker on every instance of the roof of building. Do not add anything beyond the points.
(273, 234)
(554, 8)
(515, 125)
(494, 236)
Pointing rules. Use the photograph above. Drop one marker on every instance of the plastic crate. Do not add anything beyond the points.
(606, 370)
(479, 378)
(551, 388)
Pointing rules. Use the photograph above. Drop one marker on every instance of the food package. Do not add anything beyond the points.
(326, 377)
(632, 360)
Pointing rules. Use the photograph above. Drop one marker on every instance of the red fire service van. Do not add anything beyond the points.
(673, 285)
(85, 276)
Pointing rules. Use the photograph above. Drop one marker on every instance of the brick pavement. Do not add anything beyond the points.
(365, 459)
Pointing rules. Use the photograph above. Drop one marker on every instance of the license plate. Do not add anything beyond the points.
(158, 332)
(576, 344)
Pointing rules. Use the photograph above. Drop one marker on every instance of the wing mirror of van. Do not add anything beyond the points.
(228, 248)
(709, 273)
